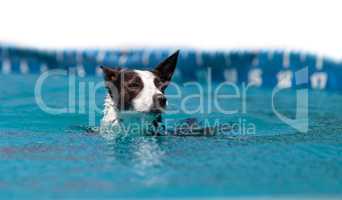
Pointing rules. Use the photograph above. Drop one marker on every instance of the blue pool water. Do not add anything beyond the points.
(47, 156)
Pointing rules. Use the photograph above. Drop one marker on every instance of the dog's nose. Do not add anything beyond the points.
(159, 100)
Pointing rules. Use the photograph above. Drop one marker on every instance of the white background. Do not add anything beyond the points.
(313, 26)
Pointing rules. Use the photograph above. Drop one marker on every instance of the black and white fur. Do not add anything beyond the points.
(138, 94)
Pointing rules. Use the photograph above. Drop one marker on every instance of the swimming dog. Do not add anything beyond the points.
(137, 95)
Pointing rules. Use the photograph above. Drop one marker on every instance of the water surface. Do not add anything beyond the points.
(45, 156)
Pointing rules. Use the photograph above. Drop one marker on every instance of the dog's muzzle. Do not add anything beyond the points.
(159, 102)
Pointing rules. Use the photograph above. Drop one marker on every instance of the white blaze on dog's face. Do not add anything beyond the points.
(140, 90)
(144, 101)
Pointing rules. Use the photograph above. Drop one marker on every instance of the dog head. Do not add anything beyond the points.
(140, 90)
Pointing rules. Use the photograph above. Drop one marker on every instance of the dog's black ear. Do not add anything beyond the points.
(166, 68)
(110, 74)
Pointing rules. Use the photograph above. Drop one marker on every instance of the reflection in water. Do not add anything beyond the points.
(142, 153)
(147, 155)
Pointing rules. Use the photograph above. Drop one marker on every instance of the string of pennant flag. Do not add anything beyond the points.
(261, 68)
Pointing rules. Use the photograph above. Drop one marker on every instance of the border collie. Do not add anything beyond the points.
(136, 98)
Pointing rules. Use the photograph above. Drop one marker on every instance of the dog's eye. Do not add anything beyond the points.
(159, 84)
(133, 85)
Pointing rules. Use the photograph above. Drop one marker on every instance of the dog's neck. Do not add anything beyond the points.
(110, 112)
(129, 121)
